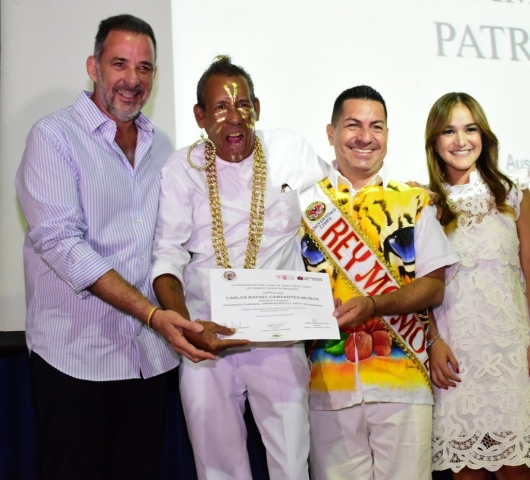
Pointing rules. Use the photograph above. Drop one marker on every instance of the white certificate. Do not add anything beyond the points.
(273, 305)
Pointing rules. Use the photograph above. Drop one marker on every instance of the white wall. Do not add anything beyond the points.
(303, 53)
(45, 44)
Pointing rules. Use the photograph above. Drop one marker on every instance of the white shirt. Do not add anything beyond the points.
(183, 245)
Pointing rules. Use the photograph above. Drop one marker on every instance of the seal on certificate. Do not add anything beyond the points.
(315, 210)
(229, 275)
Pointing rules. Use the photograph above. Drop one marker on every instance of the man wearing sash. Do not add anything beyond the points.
(370, 394)
(232, 202)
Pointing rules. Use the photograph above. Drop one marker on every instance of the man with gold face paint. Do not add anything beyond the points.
(370, 394)
(232, 202)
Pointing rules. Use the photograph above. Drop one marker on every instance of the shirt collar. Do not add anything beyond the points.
(95, 118)
(335, 177)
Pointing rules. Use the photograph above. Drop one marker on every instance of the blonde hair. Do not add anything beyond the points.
(487, 162)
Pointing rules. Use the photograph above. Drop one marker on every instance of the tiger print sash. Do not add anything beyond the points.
(360, 263)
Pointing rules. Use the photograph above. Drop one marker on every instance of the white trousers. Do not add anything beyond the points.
(372, 441)
(275, 380)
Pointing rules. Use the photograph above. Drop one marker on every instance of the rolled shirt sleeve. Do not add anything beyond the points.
(47, 188)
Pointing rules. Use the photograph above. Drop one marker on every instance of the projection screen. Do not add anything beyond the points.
(303, 54)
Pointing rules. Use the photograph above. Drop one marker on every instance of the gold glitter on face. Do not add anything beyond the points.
(220, 119)
(245, 112)
(229, 116)
(232, 95)
(247, 115)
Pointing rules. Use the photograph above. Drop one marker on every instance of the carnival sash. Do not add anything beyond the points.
(361, 265)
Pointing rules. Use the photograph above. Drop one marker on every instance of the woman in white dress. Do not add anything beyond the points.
(478, 340)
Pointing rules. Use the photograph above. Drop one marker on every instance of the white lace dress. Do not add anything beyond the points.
(484, 422)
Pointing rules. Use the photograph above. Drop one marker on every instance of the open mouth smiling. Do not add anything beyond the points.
(461, 153)
(234, 139)
(362, 150)
(128, 94)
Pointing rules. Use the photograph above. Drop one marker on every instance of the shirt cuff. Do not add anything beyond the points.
(87, 271)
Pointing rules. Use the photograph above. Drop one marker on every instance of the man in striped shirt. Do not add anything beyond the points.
(88, 185)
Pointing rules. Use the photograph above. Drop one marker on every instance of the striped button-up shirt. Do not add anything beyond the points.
(89, 211)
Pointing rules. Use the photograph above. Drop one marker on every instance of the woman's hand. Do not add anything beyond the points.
(440, 357)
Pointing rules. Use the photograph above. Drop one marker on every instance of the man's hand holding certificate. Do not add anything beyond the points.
(273, 305)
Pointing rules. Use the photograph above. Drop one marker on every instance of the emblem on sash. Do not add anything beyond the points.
(315, 210)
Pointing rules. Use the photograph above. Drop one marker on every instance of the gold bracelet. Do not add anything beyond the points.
(151, 315)
(373, 301)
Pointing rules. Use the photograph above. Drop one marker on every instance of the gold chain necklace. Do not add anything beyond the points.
(257, 204)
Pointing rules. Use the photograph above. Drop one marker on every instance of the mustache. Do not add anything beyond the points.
(362, 145)
(135, 89)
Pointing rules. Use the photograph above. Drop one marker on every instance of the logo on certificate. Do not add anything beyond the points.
(315, 210)
(229, 275)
